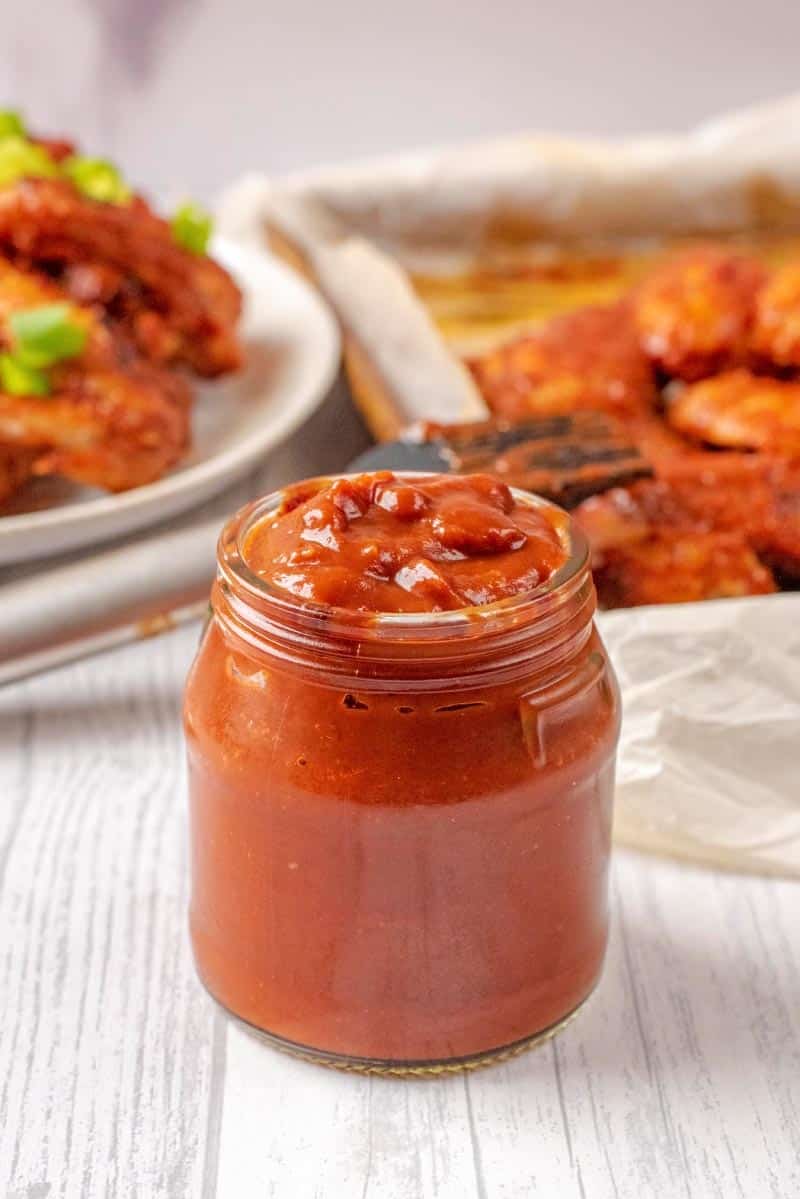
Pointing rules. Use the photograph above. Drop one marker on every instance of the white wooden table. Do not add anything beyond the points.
(118, 1077)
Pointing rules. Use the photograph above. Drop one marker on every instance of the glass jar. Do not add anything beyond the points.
(400, 825)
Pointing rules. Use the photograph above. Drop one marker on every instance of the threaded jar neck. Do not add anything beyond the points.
(540, 630)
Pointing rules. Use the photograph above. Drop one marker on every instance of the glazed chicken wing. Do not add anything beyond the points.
(112, 420)
(740, 410)
(695, 312)
(177, 306)
(589, 359)
(674, 569)
(738, 515)
(108, 429)
(756, 495)
(649, 548)
(776, 533)
(16, 468)
(776, 334)
(59, 148)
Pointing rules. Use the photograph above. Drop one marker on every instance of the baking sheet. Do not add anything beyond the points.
(357, 230)
(711, 737)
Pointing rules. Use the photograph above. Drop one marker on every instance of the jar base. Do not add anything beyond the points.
(405, 1069)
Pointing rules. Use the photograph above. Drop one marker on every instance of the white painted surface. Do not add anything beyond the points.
(119, 1080)
(189, 93)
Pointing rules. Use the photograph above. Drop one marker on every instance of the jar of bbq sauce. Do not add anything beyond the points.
(402, 728)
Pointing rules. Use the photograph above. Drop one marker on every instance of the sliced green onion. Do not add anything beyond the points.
(21, 159)
(192, 227)
(97, 179)
(17, 379)
(11, 123)
(46, 335)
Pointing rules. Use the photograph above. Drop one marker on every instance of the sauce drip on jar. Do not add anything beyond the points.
(379, 543)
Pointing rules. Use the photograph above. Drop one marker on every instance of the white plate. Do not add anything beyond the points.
(292, 354)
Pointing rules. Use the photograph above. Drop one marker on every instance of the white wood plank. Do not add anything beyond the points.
(679, 1079)
(293, 1129)
(105, 1037)
(111, 1057)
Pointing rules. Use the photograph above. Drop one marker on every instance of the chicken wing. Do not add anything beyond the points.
(588, 359)
(112, 419)
(738, 500)
(740, 410)
(16, 468)
(776, 334)
(649, 547)
(756, 495)
(694, 313)
(105, 429)
(177, 306)
(682, 568)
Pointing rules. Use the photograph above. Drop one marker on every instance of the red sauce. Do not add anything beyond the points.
(379, 543)
(401, 833)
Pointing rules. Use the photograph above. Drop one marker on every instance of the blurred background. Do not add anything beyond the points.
(191, 93)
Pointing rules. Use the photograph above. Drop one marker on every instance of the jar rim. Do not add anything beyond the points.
(401, 626)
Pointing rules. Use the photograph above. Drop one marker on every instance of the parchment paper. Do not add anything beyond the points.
(709, 763)
(736, 173)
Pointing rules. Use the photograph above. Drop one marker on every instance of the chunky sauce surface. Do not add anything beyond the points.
(379, 543)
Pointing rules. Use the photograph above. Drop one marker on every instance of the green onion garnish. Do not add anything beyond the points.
(11, 123)
(17, 379)
(21, 159)
(97, 179)
(192, 227)
(46, 335)
(41, 338)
